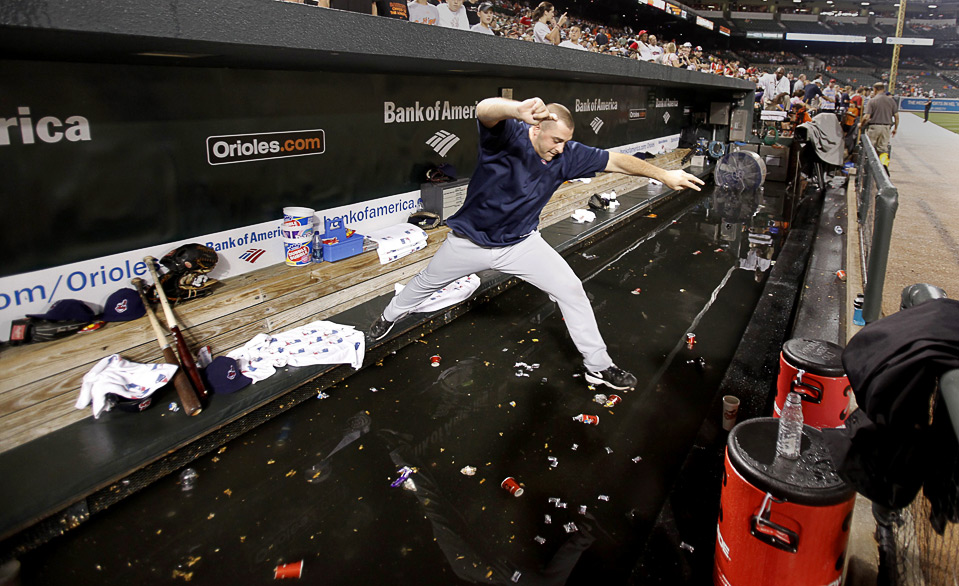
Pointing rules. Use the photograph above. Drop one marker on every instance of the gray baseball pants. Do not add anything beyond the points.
(532, 260)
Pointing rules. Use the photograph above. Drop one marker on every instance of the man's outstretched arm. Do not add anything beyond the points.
(676, 179)
(492, 111)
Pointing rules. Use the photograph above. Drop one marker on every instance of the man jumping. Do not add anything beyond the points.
(525, 154)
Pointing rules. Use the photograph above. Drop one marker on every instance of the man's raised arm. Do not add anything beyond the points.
(676, 179)
(492, 111)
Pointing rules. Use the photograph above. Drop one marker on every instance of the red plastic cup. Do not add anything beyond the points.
(587, 419)
(613, 400)
(512, 486)
(290, 570)
(690, 340)
(841, 274)
(435, 360)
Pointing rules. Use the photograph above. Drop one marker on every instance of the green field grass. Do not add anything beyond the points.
(947, 120)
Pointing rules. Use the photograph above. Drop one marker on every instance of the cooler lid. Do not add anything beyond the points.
(811, 480)
(815, 356)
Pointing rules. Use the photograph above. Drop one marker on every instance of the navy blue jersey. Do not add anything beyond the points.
(512, 184)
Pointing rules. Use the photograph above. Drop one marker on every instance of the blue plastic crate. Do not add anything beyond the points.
(344, 247)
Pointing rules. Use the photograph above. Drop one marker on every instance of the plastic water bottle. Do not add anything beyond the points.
(790, 428)
(857, 310)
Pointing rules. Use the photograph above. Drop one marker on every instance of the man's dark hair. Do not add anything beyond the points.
(562, 115)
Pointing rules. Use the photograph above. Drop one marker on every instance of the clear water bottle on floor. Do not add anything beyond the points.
(790, 428)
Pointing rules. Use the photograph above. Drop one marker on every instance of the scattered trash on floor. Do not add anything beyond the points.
(690, 340)
(697, 252)
(435, 359)
(587, 419)
(637, 459)
(575, 447)
(841, 275)
(612, 401)
(547, 520)
(609, 450)
(188, 479)
(570, 527)
(404, 474)
(468, 470)
(516, 576)
(173, 407)
(539, 540)
(553, 461)
(838, 229)
(686, 546)
(374, 390)
(582, 509)
(589, 256)
(512, 486)
(322, 395)
(603, 497)
(291, 570)
(636, 291)
(601, 399)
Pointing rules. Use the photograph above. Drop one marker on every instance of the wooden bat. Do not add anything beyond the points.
(186, 358)
(184, 390)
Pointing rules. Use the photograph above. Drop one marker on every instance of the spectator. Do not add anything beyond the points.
(882, 112)
(602, 39)
(696, 61)
(422, 12)
(830, 97)
(544, 16)
(573, 42)
(684, 52)
(393, 9)
(775, 90)
(485, 13)
(654, 49)
(812, 95)
(361, 6)
(800, 83)
(452, 14)
(669, 56)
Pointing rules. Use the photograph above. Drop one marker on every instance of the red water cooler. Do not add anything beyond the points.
(780, 522)
(813, 368)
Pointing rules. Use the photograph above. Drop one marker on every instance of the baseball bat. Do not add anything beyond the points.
(184, 390)
(186, 358)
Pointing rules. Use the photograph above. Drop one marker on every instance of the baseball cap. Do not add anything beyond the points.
(223, 376)
(484, 7)
(698, 48)
(123, 305)
(687, 44)
(67, 310)
(641, 33)
(817, 80)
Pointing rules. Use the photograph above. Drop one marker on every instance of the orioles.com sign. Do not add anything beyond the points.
(243, 148)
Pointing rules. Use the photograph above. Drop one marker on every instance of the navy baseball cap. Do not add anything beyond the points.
(67, 310)
(123, 305)
(223, 376)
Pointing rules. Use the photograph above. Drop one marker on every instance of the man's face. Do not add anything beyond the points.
(454, 5)
(652, 39)
(779, 74)
(549, 138)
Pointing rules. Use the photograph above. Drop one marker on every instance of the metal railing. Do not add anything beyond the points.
(878, 200)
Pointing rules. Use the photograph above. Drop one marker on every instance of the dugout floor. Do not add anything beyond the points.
(314, 484)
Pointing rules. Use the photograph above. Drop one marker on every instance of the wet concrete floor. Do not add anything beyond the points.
(314, 484)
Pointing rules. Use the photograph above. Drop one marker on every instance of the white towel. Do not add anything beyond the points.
(398, 240)
(319, 342)
(580, 216)
(131, 380)
(451, 294)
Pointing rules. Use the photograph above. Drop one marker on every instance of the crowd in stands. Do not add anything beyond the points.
(772, 57)
(542, 24)
(514, 20)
